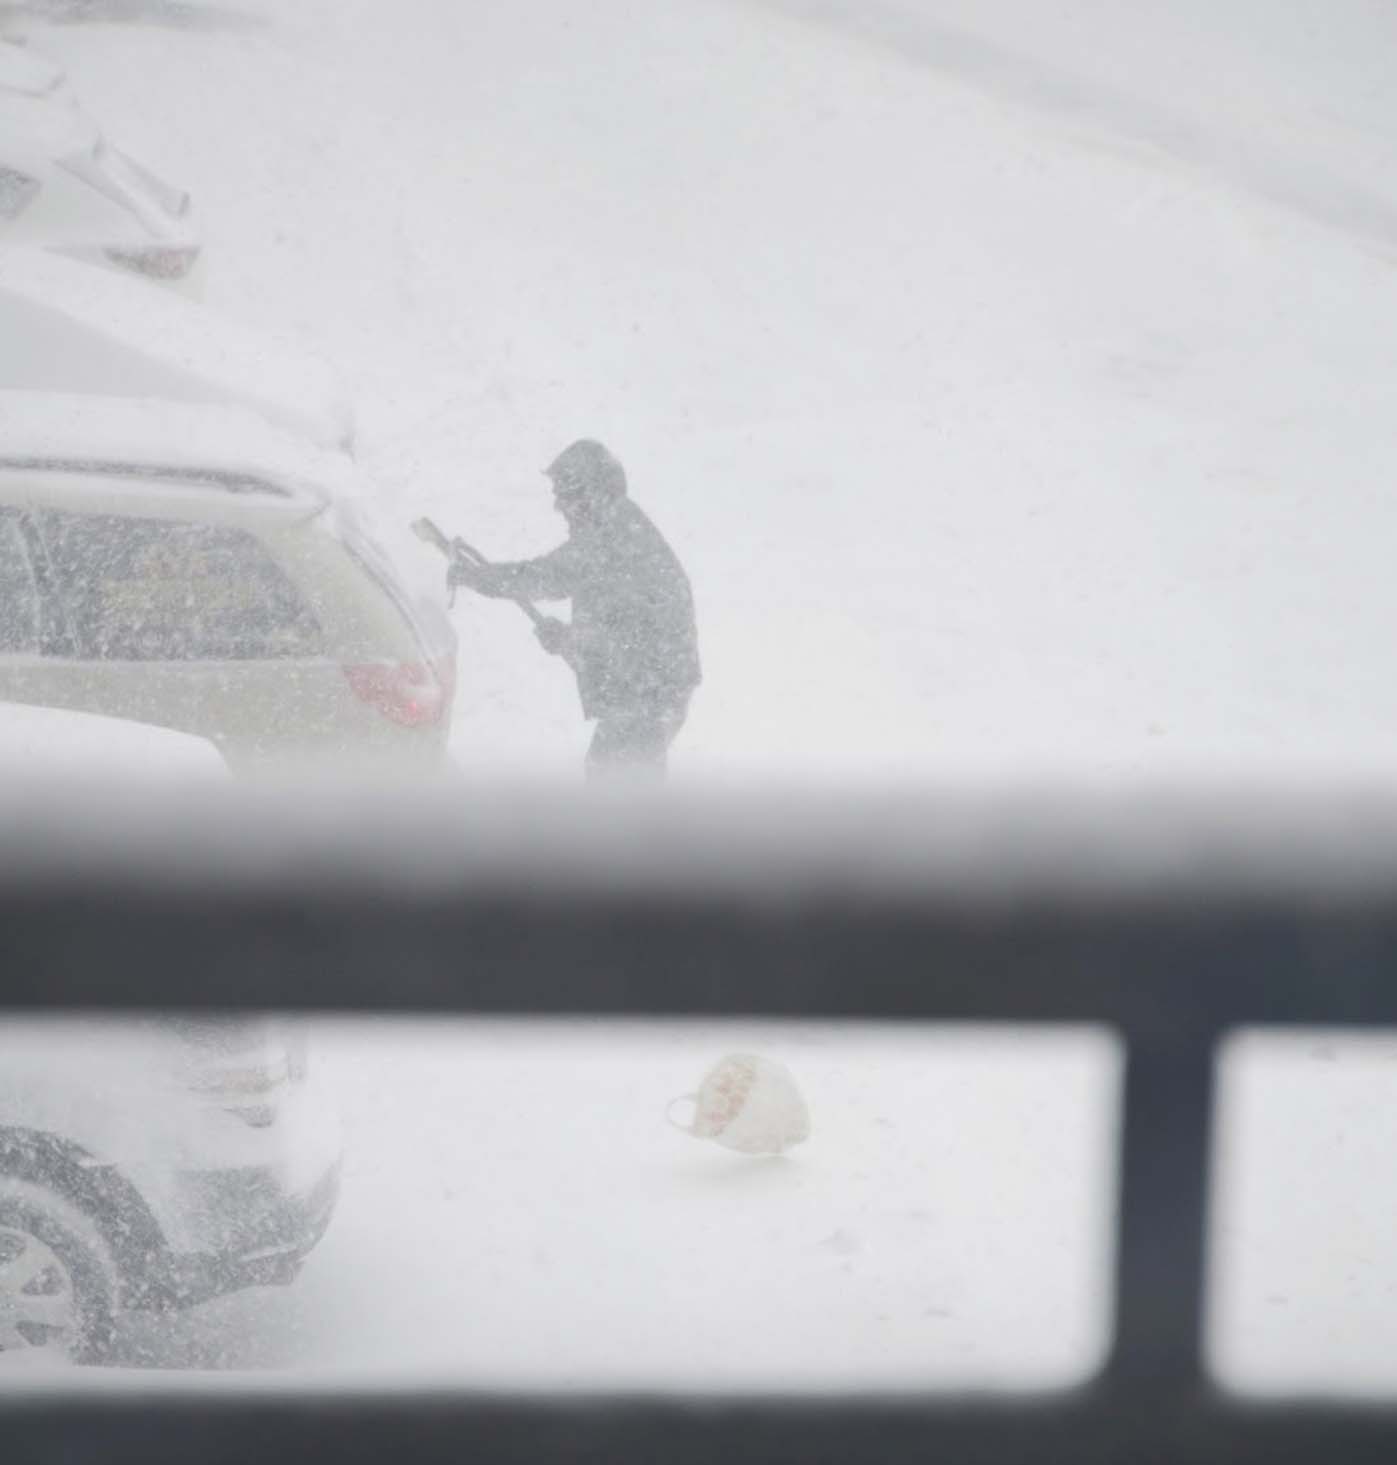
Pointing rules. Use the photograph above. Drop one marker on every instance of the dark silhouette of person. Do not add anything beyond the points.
(632, 642)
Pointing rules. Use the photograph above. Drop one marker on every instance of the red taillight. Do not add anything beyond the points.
(409, 693)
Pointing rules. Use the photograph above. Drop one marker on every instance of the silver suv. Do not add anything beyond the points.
(190, 567)
(151, 1165)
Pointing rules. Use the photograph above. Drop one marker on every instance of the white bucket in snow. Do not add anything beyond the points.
(749, 1104)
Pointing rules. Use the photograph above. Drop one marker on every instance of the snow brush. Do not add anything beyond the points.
(427, 530)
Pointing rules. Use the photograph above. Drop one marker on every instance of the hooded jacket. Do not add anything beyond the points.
(633, 642)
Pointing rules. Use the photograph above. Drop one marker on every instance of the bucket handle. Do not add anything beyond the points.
(669, 1111)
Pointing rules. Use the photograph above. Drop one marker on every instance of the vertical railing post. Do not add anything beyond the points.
(1165, 1138)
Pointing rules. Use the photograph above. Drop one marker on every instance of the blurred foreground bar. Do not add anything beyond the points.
(1171, 919)
(1103, 1426)
(1163, 916)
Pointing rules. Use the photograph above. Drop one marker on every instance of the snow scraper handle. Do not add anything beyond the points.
(429, 531)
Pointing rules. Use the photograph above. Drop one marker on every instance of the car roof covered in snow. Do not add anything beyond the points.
(229, 448)
(67, 327)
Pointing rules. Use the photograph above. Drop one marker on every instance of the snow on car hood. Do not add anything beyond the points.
(65, 327)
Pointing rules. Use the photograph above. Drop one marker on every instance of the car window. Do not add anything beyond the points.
(161, 590)
(19, 596)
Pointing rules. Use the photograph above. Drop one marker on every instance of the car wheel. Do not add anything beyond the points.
(56, 1280)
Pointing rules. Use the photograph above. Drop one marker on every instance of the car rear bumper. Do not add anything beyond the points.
(257, 1235)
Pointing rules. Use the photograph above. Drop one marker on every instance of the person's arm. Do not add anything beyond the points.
(550, 577)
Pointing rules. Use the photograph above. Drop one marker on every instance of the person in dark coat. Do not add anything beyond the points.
(632, 642)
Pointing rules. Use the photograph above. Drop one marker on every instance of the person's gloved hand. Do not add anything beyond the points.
(462, 571)
(552, 636)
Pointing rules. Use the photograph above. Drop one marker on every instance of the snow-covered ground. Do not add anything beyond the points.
(517, 1210)
(1016, 381)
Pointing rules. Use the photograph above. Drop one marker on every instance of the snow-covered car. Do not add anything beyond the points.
(51, 744)
(191, 567)
(65, 186)
(152, 1166)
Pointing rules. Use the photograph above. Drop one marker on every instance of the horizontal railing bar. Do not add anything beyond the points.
(1163, 917)
(1147, 968)
(1069, 850)
(1127, 1425)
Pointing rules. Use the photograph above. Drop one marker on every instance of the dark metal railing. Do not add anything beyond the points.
(1173, 922)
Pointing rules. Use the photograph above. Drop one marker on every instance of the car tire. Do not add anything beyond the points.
(57, 1279)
